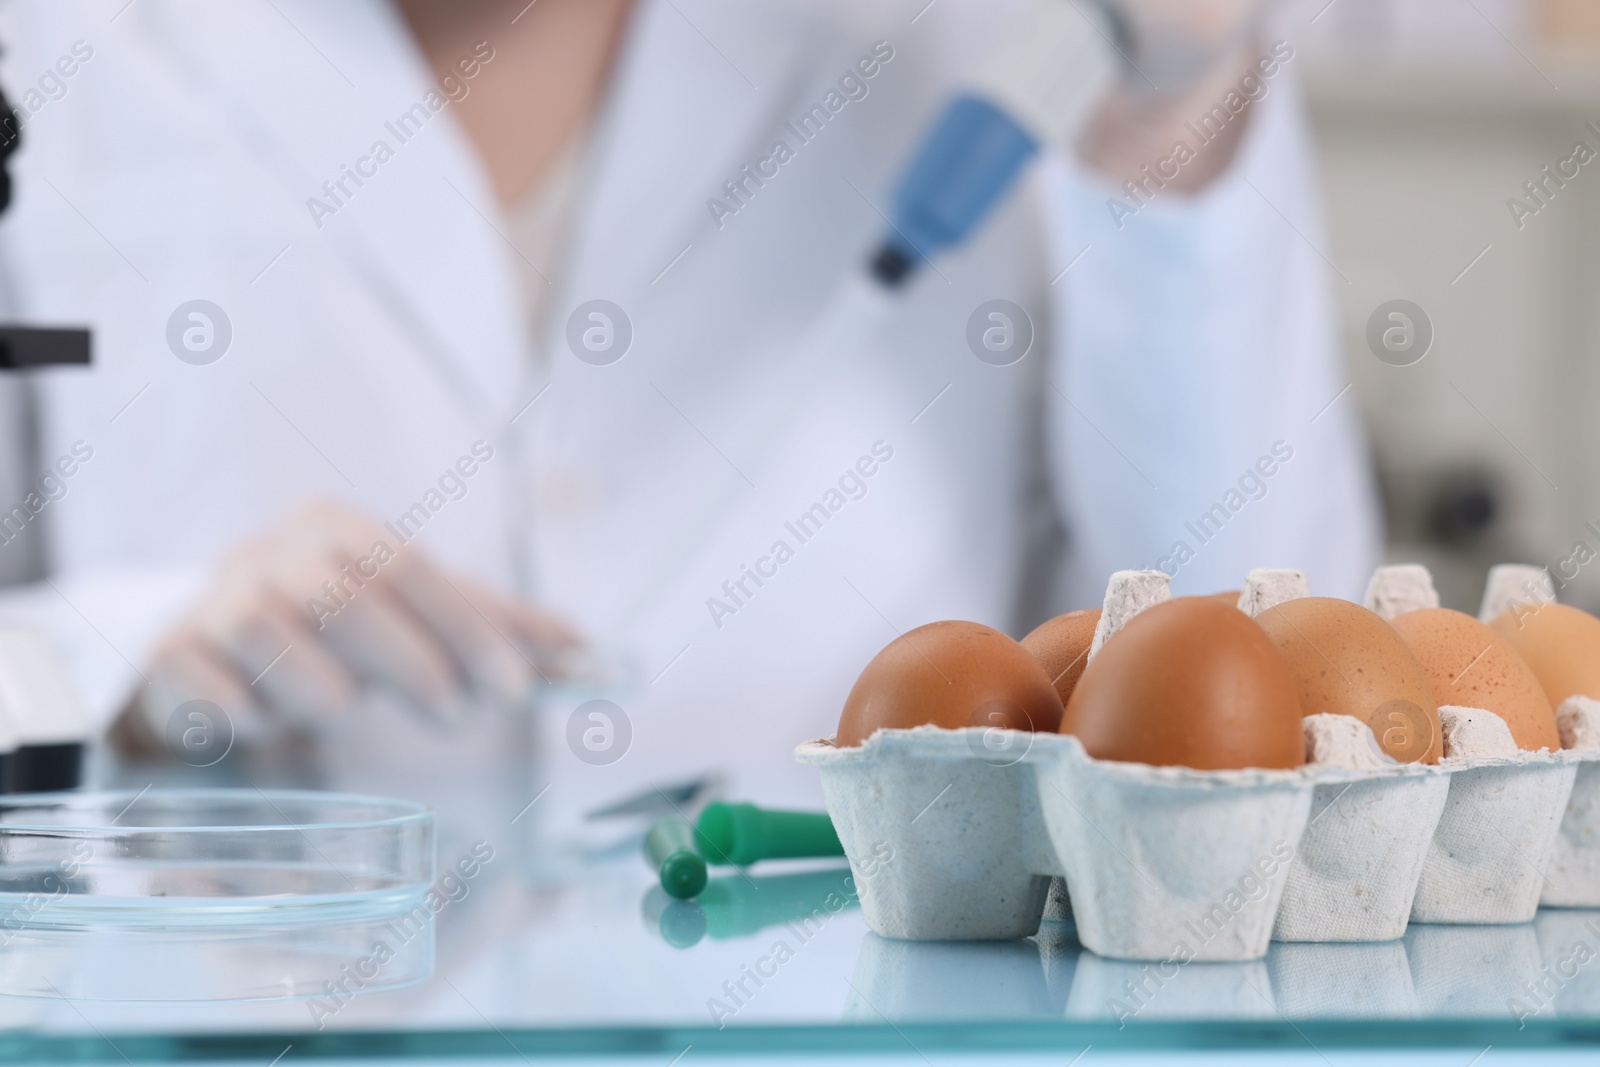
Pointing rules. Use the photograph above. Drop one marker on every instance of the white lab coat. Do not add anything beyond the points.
(371, 351)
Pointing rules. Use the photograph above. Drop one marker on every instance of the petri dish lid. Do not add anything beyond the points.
(193, 856)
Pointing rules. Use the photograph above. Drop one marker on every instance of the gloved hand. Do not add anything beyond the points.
(300, 620)
(1186, 56)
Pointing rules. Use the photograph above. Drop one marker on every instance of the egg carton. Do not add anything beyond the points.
(959, 814)
(1181, 864)
(1160, 862)
(1476, 839)
(1573, 877)
(1170, 863)
(1356, 870)
(1495, 842)
(1519, 828)
(1497, 834)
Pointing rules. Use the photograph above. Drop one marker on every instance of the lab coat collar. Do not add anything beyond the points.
(697, 88)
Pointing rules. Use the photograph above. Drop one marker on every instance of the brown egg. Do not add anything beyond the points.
(1470, 665)
(1346, 660)
(1230, 598)
(1188, 683)
(1062, 645)
(1562, 646)
(949, 674)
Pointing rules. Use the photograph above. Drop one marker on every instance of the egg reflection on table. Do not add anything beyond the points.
(1188, 682)
(950, 674)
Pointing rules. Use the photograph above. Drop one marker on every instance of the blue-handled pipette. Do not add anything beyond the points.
(1038, 87)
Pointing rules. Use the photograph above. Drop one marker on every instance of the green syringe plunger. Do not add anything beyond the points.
(669, 846)
(740, 834)
(733, 835)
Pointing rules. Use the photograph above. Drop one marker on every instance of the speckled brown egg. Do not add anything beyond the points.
(949, 674)
(1062, 646)
(1189, 683)
(1560, 643)
(1346, 660)
(1470, 665)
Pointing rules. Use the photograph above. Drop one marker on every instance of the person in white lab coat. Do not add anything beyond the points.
(397, 219)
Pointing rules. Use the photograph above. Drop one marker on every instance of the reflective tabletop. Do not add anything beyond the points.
(545, 933)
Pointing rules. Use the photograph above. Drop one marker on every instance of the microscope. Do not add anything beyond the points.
(42, 723)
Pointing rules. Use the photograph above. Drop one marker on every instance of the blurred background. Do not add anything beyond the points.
(1429, 116)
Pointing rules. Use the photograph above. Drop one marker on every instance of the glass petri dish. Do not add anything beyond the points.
(260, 961)
(179, 858)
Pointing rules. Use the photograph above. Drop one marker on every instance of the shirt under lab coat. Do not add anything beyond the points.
(1183, 387)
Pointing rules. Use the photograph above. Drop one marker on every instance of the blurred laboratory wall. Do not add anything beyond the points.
(1430, 115)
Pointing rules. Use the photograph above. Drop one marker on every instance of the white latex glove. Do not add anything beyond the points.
(1185, 56)
(271, 644)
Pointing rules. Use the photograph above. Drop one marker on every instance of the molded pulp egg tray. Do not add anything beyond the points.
(1169, 863)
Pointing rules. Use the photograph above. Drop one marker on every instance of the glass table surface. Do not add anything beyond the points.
(547, 935)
